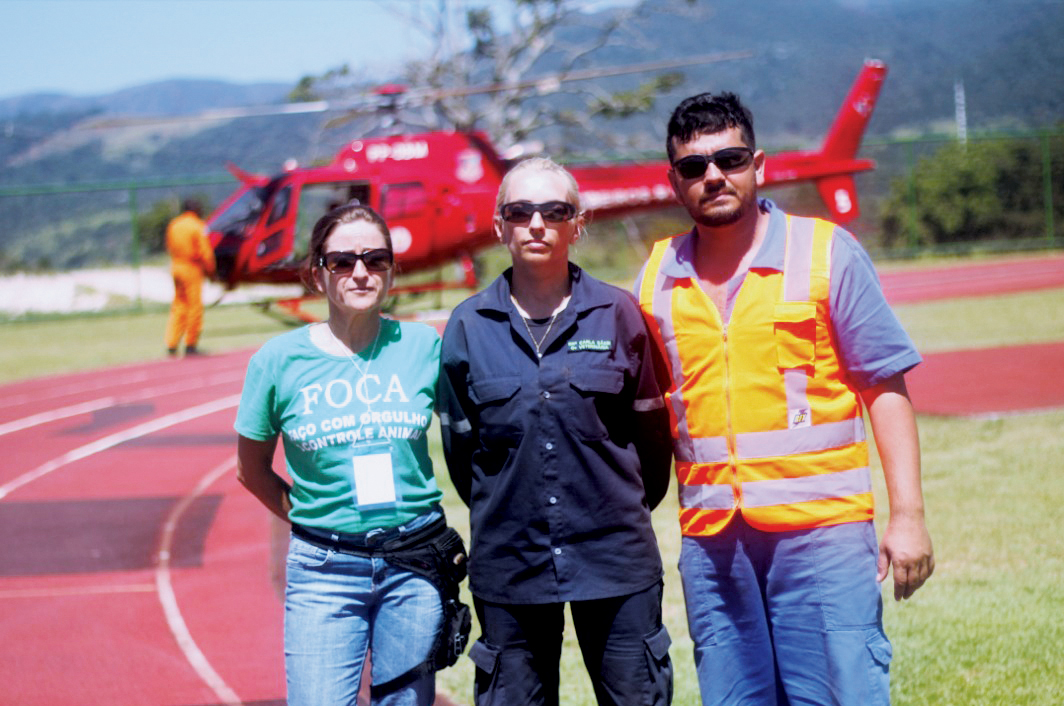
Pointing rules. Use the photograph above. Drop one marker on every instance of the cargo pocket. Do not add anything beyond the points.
(860, 661)
(505, 675)
(795, 332)
(879, 667)
(659, 666)
(486, 689)
(485, 657)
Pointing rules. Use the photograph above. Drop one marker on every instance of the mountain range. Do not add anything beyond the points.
(804, 54)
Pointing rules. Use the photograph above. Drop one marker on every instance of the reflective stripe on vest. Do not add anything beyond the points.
(812, 469)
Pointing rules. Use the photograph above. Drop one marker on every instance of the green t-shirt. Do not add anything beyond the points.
(351, 426)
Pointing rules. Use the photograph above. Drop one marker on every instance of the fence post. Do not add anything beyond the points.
(1047, 186)
(910, 154)
(138, 303)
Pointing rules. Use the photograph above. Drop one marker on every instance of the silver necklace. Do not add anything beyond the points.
(524, 319)
(350, 356)
(537, 344)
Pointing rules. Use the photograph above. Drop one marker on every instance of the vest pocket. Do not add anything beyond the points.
(795, 333)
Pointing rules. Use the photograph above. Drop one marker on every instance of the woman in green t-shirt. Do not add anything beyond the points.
(352, 399)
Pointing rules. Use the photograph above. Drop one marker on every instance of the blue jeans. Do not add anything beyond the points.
(338, 605)
(784, 618)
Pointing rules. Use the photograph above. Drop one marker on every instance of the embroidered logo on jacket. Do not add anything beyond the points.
(590, 344)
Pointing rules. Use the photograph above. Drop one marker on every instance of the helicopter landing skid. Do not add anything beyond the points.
(290, 309)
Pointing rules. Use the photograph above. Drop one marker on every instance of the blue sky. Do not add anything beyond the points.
(88, 47)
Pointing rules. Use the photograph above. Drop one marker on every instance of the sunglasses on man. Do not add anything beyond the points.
(520, 212)
(343, 262)
(729, 159)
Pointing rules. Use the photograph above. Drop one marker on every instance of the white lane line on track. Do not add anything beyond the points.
(168, 598)
(55, 415)
(77, 591)
(73, 389)
(107, 442)
(160, 370)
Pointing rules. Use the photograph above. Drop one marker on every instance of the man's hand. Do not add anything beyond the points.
(906, 550)
(906, 545)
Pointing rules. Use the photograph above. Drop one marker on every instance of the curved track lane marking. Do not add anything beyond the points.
(74, 410)
(96, 383)
(54, 415)
(113, 440)
(168, 599)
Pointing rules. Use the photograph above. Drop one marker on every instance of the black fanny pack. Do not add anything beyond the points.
(442, 560)
(436, 552)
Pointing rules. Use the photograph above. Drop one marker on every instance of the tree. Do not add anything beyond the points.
(151, 225)
(982, 190)
(478, 77)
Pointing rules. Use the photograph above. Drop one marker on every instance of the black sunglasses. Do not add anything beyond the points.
(729, 159)
(522, 211)
(343, 262)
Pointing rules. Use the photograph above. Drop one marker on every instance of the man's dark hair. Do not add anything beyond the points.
(193, 205)
(706, 114)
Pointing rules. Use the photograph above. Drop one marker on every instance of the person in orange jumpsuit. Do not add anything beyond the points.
(191, 259)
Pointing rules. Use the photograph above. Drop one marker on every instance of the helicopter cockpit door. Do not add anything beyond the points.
(404, 207)
(317, 199)
(276, 226)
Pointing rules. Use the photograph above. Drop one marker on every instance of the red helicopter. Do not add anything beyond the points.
(437, 192)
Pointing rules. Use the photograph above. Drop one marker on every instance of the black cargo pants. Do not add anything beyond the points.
(623, 641)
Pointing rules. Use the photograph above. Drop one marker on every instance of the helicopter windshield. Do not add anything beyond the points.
(241, 212)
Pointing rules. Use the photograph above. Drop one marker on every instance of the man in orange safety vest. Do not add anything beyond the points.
(776, 333)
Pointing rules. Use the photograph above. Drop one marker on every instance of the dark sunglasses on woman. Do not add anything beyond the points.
(729, 159)
(522, 211)
(343, 262)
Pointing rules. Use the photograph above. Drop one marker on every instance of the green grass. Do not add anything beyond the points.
(984, 322)
(49, 346)
(986, 629)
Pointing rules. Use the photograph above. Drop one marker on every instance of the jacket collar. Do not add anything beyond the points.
(584, 295)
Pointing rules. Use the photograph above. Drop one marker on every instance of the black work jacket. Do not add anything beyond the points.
(560, 459)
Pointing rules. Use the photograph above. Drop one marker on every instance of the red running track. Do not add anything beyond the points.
(973, 279)
(990, 381)
(135, 569)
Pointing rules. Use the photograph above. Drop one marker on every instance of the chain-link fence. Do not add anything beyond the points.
(997, 192)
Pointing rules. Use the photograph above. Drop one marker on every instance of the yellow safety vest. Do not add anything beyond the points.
(765, 419)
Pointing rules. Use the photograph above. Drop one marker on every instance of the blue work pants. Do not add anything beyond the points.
(787, 618)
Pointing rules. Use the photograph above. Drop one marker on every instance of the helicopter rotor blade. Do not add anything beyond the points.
(552, 83)
(217, 114)
(395, 97)
(542, 85)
